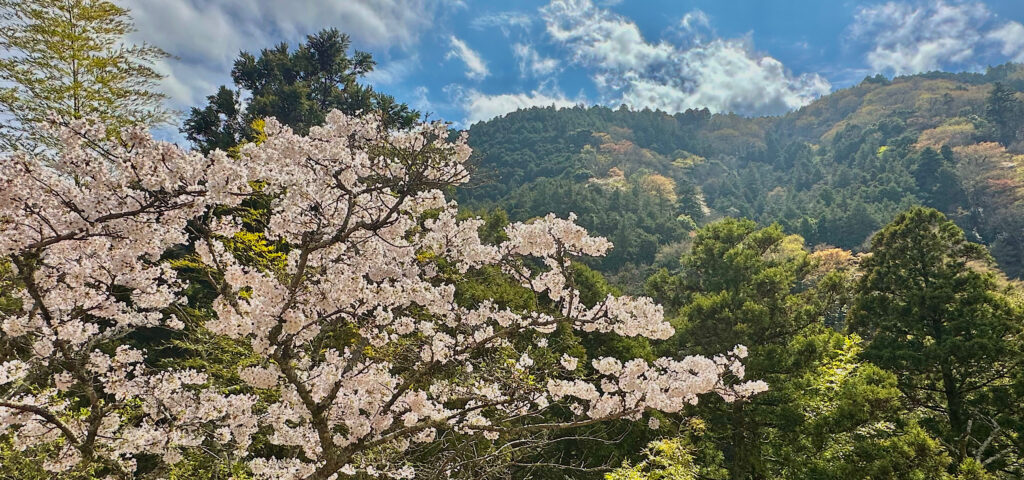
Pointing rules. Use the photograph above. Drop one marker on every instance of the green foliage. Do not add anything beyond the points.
(935, 176)
(833, 172)
(910, 454)
(298, 88)
(827, 412)
(635, 221)
(665, 460)
(1006, 114)
(7, 285)
(203, 466)
(70, 58)
(935, 315)
(740, 283)
(27, 464)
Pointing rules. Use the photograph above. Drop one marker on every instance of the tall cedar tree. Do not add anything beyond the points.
(935, 314)
(822, 416)
(70, 58)
(1005, 112)
(297, 87)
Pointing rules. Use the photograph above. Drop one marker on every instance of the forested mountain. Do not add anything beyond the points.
(297, 296)
(833, 172)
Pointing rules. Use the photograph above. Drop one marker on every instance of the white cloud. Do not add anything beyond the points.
(480, 106)
(693, 29)
(476, 68)
(390, 73)
(532, 63)
(722, 75)
(912, 39)
(695, 22)
(909, 38)
(502, 20)
(1011, 36)
(598, 36)
(207, 35)
(421, 100)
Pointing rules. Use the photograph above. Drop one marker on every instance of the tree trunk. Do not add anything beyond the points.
(955, 411)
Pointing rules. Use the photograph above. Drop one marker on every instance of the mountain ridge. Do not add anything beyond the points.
(833, 171)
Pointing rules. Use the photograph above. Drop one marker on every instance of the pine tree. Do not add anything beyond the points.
(70, 58)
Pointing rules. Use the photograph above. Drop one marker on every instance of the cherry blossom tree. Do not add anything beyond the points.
(84, 235)
(364, 351)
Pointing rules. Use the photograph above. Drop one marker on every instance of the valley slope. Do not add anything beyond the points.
(834, 171)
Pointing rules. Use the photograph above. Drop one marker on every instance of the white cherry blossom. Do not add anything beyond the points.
(360, 334)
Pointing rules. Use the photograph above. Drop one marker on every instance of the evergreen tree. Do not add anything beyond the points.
(935, 314)
(297, 87)
(1005, 112)
(926, 172)
(218, 125)
(70, 58)
(821, 418)
(936, 179)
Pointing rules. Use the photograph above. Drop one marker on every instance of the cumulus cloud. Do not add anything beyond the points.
(531, 62)
(917, 38)
(905, 38)
(480, 106)
(476, 68)
(724, 75)
(1010, 37)
(207, 35)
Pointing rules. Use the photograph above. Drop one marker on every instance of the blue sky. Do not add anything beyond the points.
(466, 60)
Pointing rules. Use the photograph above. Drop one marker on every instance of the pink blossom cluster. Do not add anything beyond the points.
(361, 336)
(84, 233)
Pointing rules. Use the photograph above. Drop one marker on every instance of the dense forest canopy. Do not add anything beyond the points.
(323, 287)
(834, 171)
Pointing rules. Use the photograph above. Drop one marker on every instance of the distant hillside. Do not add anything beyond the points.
(834, 171)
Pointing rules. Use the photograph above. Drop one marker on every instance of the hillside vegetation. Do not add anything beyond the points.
(324, 287)
(833, 172)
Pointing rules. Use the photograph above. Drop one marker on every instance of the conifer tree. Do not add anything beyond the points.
(1004, 111)
(935, 315)
(71, 58)
(297, 87)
